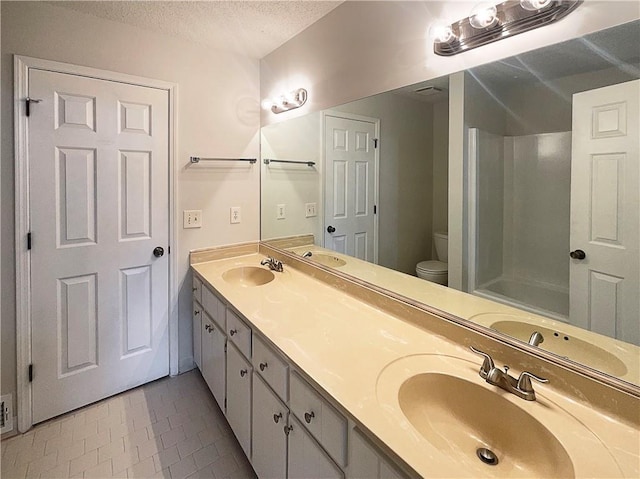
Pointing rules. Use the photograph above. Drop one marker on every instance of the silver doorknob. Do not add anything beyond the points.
(578, 254)
(330, 229)
(158, 251)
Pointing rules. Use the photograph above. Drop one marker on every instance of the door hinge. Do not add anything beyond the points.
(30, 373)
(28, 101)
(225, 403)
(29, 240)
(225, 347)
(375, 143)
(375, 209)
(169, 250)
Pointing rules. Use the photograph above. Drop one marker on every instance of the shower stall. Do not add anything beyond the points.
(519, 220)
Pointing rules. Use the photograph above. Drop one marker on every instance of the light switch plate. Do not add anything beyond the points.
(192, 219)
(235, 215)
(281, 212)
(310, 210)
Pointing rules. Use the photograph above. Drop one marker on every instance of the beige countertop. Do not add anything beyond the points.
(345, 346)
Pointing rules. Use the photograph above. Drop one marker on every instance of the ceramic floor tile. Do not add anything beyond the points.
(131, 436)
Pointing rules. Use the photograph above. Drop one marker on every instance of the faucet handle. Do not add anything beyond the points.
(487, 364)
(524, 381)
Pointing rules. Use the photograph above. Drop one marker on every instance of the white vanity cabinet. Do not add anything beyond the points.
(239, 396)
(270, 418)
(197, 334)
(322, 420)
(306, 458)
(213, 358)
(365, 461)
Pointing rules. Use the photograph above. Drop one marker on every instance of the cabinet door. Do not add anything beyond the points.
(269, 441)
(239, 397)
(197, 335)
(306, 457)
(213, 359)
(366, 462)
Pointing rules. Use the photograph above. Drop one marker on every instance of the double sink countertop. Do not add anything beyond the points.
(380, 370)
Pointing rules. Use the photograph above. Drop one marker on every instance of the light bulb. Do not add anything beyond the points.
(441, 33)
(483, 15)
(533, 5)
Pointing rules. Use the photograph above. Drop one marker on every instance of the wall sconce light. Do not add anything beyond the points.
(488, 23)
(290, 101)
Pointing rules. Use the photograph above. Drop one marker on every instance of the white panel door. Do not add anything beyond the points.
(605, 217)
(213, 359)
(98, 153)
(350, 178)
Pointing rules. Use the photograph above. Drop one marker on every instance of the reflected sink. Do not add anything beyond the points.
(327, 260)
(459, 417)
(557, 342)
(248, 276)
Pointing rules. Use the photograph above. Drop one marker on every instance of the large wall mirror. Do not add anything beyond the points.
(551, 215)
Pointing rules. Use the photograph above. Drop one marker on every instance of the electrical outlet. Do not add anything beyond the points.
(281, 212)
(192, 219)
(6, 413)
(310, 210)
(235, 215)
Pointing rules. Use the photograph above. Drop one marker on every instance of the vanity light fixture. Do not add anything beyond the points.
(488, 23)
(290, 101)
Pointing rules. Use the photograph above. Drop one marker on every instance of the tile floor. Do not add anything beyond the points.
(171, 428)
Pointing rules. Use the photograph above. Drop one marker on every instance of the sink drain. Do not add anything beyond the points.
(487, 456)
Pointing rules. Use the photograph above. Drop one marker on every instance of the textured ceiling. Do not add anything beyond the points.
(251, 28)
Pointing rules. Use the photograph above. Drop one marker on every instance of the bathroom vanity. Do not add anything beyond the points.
(321, 376)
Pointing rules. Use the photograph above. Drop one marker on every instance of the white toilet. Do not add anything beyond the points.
(436, 271)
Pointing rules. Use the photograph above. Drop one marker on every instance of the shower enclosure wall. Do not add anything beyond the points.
(519, 219)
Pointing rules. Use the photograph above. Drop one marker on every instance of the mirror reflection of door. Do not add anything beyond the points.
(604, 211)
(350, 186)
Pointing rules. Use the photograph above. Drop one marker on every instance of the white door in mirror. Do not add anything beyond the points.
(605, 218)
(350, 178)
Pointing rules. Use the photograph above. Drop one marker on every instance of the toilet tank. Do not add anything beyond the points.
(441, 241)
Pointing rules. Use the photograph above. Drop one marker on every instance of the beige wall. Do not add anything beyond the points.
(440, 166)
(363, 48)
(218, 115)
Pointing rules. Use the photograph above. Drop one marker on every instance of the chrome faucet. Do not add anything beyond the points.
(536, 338)
(521, 387)
(307, 254)
(274, 264)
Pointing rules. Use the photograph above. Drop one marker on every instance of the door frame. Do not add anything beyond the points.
(376, 186)
(22, 65)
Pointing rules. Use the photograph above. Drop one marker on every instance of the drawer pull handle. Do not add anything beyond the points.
(263, 366)
(208, 327)
(288, 429)
(308, 416)
(232, 332)
(194, 289)
(196, 312)
(277, 417)
(243, 373)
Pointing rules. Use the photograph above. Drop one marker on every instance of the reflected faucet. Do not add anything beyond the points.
(536, 338)
(521, 387)
(274, 264)
(307, 254)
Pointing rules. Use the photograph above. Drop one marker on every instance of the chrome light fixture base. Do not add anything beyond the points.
(511, 18)
(293, 100)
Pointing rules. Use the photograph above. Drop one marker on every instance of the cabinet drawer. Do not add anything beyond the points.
(322, 420)
(269, 365)
(239, 333)
(197, 289)
(214, 307)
